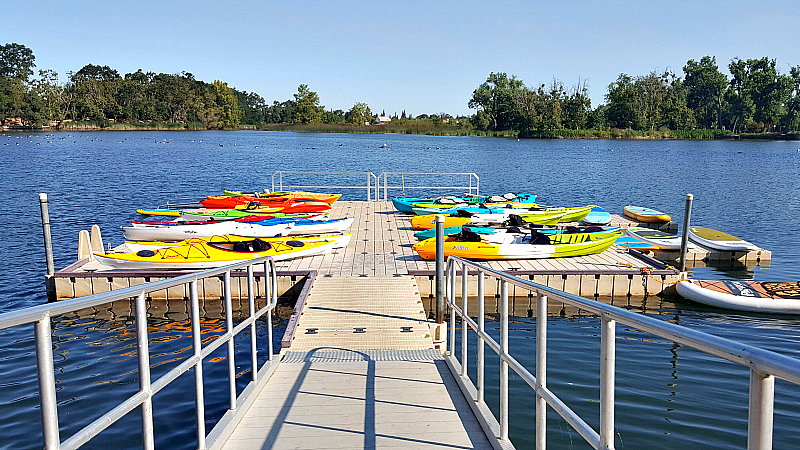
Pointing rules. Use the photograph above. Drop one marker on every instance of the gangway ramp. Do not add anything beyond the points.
(361, 372)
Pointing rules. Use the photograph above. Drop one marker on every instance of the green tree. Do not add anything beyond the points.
(705, 91)
(229, 105)
(359, 114)
(16, 62)
(577, 106)
(621, 98)
(495, 97)
(308, 109)
(793, 101)
(51, 93)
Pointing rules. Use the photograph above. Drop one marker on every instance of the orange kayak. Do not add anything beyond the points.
(284, 204)
(320, 197)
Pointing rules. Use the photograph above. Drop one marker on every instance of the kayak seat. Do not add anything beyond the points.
(239, 247)
(539, 238)
(515, 220)
(467, 235)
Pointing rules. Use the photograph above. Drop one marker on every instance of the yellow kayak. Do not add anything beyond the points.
(216, 253)
(519, 246)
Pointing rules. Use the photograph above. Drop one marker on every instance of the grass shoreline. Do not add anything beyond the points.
(609, 134)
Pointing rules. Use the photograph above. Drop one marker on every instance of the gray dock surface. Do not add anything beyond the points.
(362, 373)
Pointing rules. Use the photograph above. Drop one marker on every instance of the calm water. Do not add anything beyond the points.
(667, 396)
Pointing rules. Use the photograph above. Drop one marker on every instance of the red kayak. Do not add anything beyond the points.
(286, 205)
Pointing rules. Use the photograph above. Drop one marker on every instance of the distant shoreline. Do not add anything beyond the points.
(612, 134)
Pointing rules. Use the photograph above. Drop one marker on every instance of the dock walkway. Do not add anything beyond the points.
(362, 373)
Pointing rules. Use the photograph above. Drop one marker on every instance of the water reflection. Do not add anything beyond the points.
(700, 403)
(96, 367)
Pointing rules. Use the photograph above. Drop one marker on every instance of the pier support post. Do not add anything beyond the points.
(685, 236)
(50, 282)
(439, 268)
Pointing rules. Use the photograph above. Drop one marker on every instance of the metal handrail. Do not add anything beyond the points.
(468, 188)
(41, 316)
(764, 365)
(369, 185)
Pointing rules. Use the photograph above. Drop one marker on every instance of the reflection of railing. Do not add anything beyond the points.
(373, 183)
(369, 186)
(41, 317)
(471, 177)
(764, 365)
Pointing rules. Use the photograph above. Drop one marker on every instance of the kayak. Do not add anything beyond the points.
(284, 204)
(267, 228)
(597, 216)
(648, 215)
(547, 216)
(341, 241)
(207, 255)
(431, 232)
(428, 208)
(717, 240)
(533, 246)
(662, 240)
(231, 214)
(327, 198)
(405, 204)
(754, 296)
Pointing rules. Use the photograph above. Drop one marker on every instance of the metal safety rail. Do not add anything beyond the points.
(41, 316)
(764, 365)
(467, 189)
(370, 185)
(373, 184)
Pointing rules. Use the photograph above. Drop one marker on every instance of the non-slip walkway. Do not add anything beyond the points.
(361, 372)
(370, 404)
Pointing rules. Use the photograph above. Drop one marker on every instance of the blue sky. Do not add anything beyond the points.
(422, 57)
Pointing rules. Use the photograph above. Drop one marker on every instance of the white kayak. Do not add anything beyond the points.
(339, 241)
(753, 296)
(661, 239)
(178, 232)
(717, 240)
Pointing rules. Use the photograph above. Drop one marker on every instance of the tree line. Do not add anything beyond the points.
(755, 98)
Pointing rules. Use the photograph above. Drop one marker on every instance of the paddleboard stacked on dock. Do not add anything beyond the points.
(231, 228)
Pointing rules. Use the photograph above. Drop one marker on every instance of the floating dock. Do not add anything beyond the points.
(381, 246)
(360, 364)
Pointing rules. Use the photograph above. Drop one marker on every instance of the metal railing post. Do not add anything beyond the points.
(451, 300)
(251, 306)
(385, 190)
(481, 346)
(685, 235)
(464, 326)
(440, 278)
(143, 352)
(226, 292)
(503, 363)
(607, 365)
(760, 413)
(541, 371)
(48, 240)
(268, 301)
(47, 383)
(369, 185)
(197, 346)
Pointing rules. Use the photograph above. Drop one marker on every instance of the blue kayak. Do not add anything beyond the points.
(406, 204)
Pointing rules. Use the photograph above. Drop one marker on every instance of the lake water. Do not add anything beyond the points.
(667, 396)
